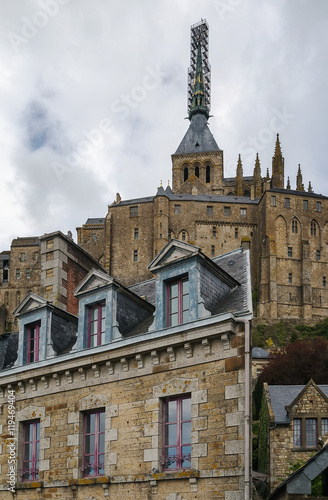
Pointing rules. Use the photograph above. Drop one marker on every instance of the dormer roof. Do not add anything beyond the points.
(92, 281)
(176, 251)
(31, 302)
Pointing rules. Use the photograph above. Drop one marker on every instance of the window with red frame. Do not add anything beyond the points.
(177, 433)
(33, 340)
(94, 443)
(178, 302)
(31, 449)
(96, 325)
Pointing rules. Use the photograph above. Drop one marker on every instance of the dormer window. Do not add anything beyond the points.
(33, 340)
(96, 324)
(178, 302)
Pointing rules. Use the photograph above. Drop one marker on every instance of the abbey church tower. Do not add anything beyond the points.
(197, 164)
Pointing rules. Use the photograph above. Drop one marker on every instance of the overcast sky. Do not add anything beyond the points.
(93, 99)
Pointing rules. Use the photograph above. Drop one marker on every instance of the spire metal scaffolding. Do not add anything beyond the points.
(199, 34)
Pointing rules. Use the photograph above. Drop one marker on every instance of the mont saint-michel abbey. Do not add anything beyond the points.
(285, 229)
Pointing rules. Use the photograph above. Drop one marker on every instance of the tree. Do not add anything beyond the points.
(297, 363)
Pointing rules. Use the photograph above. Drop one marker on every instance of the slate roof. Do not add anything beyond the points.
(284, 395)
(95, 220)
(235, 263)
(198, 138)
(8, 349)
(259, 353)
(145, 289)
(30, 241)
(188, 197)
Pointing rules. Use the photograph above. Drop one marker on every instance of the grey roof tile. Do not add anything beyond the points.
(259, 353)
(284, 395)
(198, 138)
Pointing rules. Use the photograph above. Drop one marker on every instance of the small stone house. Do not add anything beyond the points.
(144, 394)
(296, 419)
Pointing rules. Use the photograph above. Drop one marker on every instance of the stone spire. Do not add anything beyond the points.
(310, 188)
(278, 167)
(198, 103)
(299, 180)
(257, 178)
(288, 184)
(239, 178)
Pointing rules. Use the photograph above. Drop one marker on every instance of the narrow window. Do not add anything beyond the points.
(170, 234)
(178, 302)
(28, 273)
(273, 201)
(287, 202)
(323, 280)
(313, 228)
(290, 296)
(197, 171)
(177, 209)
(227, 211)
(297, 432)
(294, 226)
(185, 174)
(160, 235)
(236, 232)
(213, 251)
(17, 274)
(31, 450)
(324, 426)
(183, 236)
(50, 243)
(135, 255)
(94, 443)
(208, 174)
(134, 211)
(177, 433)
(214, 232)
(36, 255)
(305, 204)
(7, 298)
(96, 325)
(18, 297)
(33, 338)
(290, 278)
(209, 211)
(290, 252)
(318, 206)
(243, 212)
(22, 257)
(318, 255)
(310, 432)
(136, 233)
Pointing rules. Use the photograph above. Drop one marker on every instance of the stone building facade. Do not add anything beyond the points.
(152, 403)
(51, 266)
(297, 426)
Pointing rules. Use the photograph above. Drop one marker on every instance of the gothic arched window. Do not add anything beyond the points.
(294, 226)
(185, 174)
(197, 171)
(313, 229)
